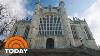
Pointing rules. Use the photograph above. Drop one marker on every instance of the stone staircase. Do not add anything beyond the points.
(3, 53)
(60, 52)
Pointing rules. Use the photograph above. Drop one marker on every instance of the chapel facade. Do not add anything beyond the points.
(50, 27)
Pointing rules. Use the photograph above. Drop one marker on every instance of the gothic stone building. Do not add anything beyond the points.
(50, 27)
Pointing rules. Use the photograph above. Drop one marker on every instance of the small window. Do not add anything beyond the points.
(15, 31)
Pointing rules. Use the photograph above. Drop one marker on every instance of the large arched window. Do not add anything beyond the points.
(26, 32)
(74, 32)
(50, 26)
(87, 32)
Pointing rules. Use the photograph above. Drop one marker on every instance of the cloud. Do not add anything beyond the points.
(92, 15)
(30, 13)
(75, 15)
(15, 7)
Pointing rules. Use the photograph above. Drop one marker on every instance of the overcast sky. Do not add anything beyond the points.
(88, 9)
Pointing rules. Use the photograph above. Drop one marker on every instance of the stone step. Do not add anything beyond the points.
(3, 53)
(55, 52)
(44, 52)
(59, 52)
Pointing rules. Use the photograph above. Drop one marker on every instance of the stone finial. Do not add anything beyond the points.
(61, 0)
(37, 1)
(74, 18)
(84, 20)
(49, 7)
(61, 3)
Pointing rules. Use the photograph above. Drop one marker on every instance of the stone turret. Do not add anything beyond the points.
(65, 22)
(37, 8)
(35, 23)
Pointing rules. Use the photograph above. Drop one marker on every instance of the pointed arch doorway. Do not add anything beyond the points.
(50, 43)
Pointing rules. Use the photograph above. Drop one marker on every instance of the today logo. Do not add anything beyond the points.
(16, 44)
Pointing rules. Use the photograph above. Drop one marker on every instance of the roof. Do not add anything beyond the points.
(24, 21)
(51, 7)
